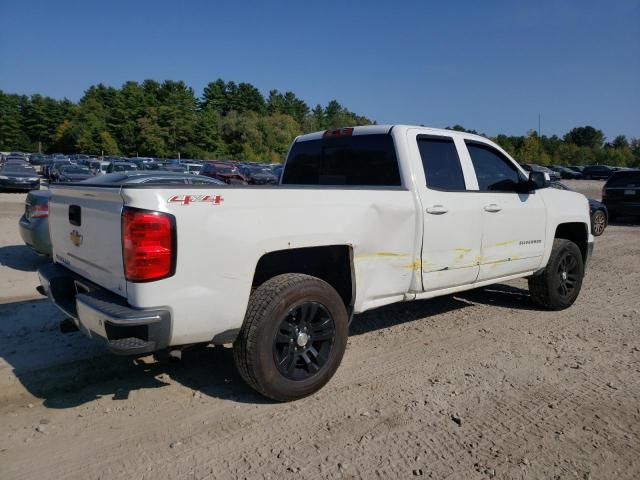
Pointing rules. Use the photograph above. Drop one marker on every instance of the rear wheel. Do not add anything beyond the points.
(293, 337)
(558, 286)
(598, 223)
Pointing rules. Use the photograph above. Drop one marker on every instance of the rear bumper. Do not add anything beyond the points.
(102, 314)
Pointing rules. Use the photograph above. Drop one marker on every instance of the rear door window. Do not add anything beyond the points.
(361, 160)
(494, 171)
(441, 163)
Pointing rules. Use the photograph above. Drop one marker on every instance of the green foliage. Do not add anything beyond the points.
(585, 137)
(165, 119)
(581, 146)
(233, 121)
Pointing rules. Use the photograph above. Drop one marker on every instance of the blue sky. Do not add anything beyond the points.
(492, 66)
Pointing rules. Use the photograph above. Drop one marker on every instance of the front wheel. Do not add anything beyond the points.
(293, 337)
(558, 286)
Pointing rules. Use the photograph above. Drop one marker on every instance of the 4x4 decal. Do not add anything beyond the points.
(188, 199)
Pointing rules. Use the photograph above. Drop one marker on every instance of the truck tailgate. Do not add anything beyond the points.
(85, 229)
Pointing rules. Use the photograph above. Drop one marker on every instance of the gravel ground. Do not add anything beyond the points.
(475, 385)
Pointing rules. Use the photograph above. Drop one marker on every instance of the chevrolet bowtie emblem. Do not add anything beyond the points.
(76, 238)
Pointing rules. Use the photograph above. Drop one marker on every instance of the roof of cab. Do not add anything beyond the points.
(382, 129)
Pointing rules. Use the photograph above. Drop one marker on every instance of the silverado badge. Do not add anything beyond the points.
(76, 238)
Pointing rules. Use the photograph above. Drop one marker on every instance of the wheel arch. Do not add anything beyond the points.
(331, 263)
(578, 233)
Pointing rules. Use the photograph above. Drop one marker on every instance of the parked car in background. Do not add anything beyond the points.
(223, 171)
(121, 167)
(566, 172)
(18, 177)
(621, 193)
(192, 168)
(277, 170)
(259, 175)
(19, 162)
(576, 168)
(98, 167)
(152, 166)
(530, 167)
(597, 172)
(73, 173)
(597, 211)
(80, 159)
(37, 159)
(140, 161)
(51, 170)
(34, 223)
(175, 167)
(16, 156)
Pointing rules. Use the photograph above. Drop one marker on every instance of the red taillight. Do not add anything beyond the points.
(39, 211)
(148, 245)
(340, 132)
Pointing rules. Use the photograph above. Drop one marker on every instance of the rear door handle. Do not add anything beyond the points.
(492, 207)
(437, 209)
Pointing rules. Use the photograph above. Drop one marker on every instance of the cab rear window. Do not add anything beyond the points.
(361, 160)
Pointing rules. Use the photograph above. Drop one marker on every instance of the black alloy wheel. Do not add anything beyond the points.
(568, 274)
(303, 342)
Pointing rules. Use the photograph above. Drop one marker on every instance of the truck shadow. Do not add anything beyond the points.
(21, 257)
(68, 370)
(500, 295)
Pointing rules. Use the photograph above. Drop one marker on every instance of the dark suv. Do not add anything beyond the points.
(596, 172)
(621, 193)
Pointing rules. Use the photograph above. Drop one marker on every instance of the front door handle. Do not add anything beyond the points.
(437, 209)
(492, 207)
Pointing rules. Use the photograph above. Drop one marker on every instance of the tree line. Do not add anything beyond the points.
(580, 146)
(233, 120)
(166, 119)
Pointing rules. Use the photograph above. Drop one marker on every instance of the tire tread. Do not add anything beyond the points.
(539, 285)
(259, 301)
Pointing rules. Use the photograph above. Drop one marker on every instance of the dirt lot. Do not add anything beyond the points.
(475, 385)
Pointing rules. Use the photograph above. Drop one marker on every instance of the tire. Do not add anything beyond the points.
(551, 289)
(293, 337)
(598, 223)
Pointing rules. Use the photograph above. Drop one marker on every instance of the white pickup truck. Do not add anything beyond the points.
(363, 217)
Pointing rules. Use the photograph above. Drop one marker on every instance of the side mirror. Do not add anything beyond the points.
(539, 180)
